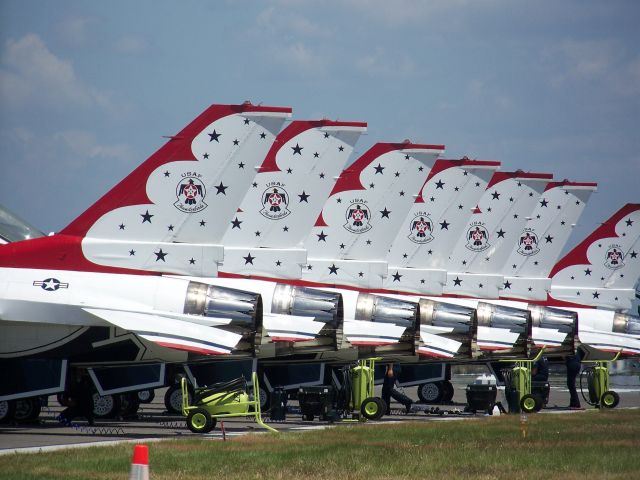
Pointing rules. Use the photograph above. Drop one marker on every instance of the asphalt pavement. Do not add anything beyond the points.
(153, 423)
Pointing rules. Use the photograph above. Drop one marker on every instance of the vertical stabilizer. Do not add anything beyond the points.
(603, 269)
(166, 216)
(542, 239)
(360, 218)
(481, 251)
(418, 257)
(266, 235)
(171, 212)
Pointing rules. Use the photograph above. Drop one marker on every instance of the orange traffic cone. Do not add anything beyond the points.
(140, 463)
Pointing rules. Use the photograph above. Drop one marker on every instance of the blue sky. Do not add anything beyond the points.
(87, 89)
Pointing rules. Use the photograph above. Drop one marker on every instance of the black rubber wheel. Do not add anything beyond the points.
(307, 418)
(146, 396)
(199, 421)
(430, 392)
(7, 410)
(27, 409)
(609, 399)
(106, 406)
(129, 404)
(373, 408)
(530, 403)
(265, 399)
(447, 391)
(173, 399)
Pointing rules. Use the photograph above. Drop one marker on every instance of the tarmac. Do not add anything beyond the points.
(152, 423)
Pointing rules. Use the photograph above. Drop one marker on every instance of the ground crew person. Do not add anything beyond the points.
(574, 364)
(79, 401)
(540, 370)
(388, 391)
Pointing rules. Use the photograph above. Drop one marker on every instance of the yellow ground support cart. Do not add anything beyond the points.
(221, 400)
(598, 383)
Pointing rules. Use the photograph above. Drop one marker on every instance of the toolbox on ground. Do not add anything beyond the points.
(317, 401)
(481, 397)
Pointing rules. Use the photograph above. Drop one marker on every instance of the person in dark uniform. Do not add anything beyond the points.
(79, 401)
(389, 391)
(574, 363)
(540, 370)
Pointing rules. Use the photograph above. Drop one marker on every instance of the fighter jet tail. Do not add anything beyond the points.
(277, 213)
(477, 260)
(603, 269)
(170, 213)
(542, 239)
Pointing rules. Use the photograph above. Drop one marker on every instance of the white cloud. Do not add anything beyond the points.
(284, 22)
(476, 88)
(31, 75)
(83, 144)
(627, 80)
(75, 30)
(487, 93)
(411, 12)
(300, 59)
(602, 62)
(65, 149)
(586, 59)
(131, 45)
(381, 63)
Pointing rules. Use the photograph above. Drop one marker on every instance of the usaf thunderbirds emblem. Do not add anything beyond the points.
(477, 237)
(275, 202)
(190, 192)
(50, 284)
(613, 257)
(421, 228)
(358, 216)
(528, 243)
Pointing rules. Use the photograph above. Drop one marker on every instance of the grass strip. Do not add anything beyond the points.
(590, 445)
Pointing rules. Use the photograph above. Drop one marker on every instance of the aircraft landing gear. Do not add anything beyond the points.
(431, 392)
(173, 399)
(27, 409)
(7, 410)
(106, 406)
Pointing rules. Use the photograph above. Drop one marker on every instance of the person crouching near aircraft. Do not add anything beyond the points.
(79, 401)
(388, 391)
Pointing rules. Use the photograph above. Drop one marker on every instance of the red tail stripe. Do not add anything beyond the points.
(578, 256)
(132, 189)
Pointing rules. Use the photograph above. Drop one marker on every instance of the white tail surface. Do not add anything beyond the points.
(286, 196)
(542, 239)
(603, 269)
(170, 214)
(487, 238)
(364, 211)
(418, 257)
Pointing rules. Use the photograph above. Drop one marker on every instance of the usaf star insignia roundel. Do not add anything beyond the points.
(357, 216)
(275, 202)
(614, 257)
(477, 237)
(190, 192)
(421, 228)
(528, 243)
